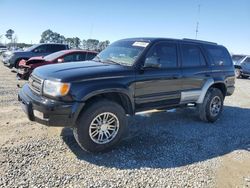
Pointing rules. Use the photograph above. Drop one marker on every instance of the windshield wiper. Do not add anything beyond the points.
(111, 61)
(115, 62)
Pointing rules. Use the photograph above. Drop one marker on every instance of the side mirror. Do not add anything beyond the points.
(152, 62)
(60, 60)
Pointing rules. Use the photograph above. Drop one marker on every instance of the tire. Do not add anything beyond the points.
(212, 106)
(87, 123)
(237, 73)
(17, 63)
(246, 77)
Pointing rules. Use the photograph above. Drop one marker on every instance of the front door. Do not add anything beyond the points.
(158, 87)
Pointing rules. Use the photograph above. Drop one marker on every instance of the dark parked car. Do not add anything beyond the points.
(129, 76)
(242, 65)
(12, 59)
(26, 67)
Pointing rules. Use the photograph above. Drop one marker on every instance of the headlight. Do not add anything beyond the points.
(55, 89)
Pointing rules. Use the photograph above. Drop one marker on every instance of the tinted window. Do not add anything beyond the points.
(56, 48)
(69, 58)
(219, 55)
(42, 49)
(247, 60)
(237, 58)
(165, 53)
(192, 56)
(86, 56)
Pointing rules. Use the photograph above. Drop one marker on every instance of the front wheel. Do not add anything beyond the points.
(212, 105)
(101, 126)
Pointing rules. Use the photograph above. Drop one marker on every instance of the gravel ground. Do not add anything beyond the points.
(163, 149)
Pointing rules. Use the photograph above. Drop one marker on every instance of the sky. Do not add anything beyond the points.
(226, 22)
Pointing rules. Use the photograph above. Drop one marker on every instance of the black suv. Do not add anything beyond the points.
(12, 59)
(129, 76)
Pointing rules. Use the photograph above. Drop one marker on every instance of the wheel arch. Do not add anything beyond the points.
(119, 96)
(212, 84)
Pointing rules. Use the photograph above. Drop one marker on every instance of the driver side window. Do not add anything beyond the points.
(165, 53)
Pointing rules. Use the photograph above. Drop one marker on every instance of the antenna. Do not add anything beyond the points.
(197, 23)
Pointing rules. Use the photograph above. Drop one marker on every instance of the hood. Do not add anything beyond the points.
(78, 71)
(35, 60)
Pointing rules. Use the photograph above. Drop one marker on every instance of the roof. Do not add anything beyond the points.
(151, 39)
(83, 51)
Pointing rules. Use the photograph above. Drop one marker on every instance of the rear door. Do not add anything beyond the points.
(195, 71)
(159, 87)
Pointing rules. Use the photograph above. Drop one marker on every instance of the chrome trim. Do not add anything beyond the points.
(190, 96)
(35, 84)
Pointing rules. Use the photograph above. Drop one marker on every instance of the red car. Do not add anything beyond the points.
(26, 67)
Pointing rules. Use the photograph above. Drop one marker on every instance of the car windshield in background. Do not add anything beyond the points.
(53, 56)
(237, 58)
(122, 52)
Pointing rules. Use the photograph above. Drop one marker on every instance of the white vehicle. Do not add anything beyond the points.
(3, 49)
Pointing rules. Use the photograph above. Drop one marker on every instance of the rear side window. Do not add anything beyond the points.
(86, 56)
(219, 55)
(247, 60)
(192, 56)
(70, 58)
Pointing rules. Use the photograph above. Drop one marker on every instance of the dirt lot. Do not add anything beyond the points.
(163, 149)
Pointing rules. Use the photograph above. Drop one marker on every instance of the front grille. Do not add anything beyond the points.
(35, 84)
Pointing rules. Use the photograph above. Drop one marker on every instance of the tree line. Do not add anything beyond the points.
(49, 36)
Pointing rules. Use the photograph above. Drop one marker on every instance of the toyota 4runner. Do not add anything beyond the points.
(129, 76)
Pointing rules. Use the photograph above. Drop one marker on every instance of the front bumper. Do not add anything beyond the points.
(23, 73)
(46, 111)
(8, 62)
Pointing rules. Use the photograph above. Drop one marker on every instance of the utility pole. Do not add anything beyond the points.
(197, 23)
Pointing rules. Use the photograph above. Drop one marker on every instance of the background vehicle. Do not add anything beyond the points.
(2, 49)
(129, 76)
(12, 59)
(26, 67)
(242, 65)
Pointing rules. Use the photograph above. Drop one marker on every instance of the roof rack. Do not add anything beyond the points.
(200, 41)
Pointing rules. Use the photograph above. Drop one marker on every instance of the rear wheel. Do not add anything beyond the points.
(212, 105)
(245, 77)
(101, 126)
(237, 73)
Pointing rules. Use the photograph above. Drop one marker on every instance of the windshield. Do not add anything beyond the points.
(122, 52)
(32, 47)
(53, 56)
(237, 58)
